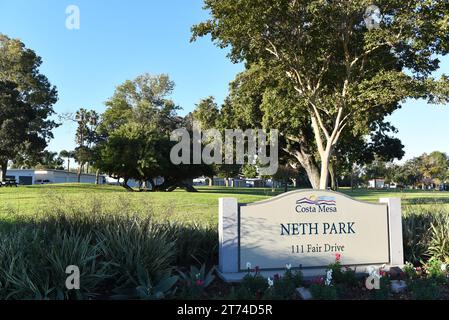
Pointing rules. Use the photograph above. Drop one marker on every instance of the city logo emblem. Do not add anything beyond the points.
(314, 204)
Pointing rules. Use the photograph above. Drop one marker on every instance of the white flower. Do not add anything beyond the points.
(371, 270)
(383, 267)
(288, 266)
(329, 278)
(444, 267)
(248, 265)
(270, 282)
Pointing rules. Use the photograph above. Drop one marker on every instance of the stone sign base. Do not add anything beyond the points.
(309, 274)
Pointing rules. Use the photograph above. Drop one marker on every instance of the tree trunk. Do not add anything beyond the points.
(211, 181)
(352, 178)
(151, 182)
(324, 176)
(295, 183)
(4, 165)
(309, 165)
(68, 164)
(189, 188)
(126, 186)
(78, 174)
(97, 177)
(333, 177)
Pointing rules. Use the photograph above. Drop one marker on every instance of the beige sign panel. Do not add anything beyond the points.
(309, 228)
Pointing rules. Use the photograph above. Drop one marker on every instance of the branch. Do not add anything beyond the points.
(320, 121)
(337, 127)
(323, 70)
(343, 121)
(366, 53)
(298, 78)
(274, 50)
(292, 138)
(338, 134)
(317, 133)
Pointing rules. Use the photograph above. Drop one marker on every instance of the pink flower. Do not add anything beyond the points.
(338, 257)
(199, 283)
(318, 280)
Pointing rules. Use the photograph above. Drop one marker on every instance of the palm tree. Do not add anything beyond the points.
(69, 155)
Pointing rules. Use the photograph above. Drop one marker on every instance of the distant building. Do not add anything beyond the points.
(376, 184)
(131, 182)
(27, 177)
(232, 182)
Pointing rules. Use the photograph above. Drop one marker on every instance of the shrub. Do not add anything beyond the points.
(410, 271)
(384, 292)
(193, 243)
(439, 238)
(33, 263)
(252, 286)
(133, 242)
(424, 289)
(416, 227)
(436, 270)
(426, 233)
(194, 283)
(145, 289)
(109, 244)
(323, 292)
(284, 287)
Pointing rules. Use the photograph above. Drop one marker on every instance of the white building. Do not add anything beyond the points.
(36, 176)
(376, 184)
(131, 182)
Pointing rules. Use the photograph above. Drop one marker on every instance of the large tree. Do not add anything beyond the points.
(68, 155)
(434, 167)
(208, 116)
(26, 103)
(135, 134)
(341, 70)
(258, 98)
(86, 137)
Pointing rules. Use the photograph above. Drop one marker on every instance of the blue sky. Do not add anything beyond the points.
(119, 40)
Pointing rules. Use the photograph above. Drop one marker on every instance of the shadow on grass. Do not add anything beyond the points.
(79, 187)
(242, 191)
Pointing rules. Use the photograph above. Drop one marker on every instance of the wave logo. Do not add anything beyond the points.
(314, 204)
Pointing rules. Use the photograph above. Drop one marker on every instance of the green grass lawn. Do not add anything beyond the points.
(201, 207)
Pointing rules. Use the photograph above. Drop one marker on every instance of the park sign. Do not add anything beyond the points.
(307, 229)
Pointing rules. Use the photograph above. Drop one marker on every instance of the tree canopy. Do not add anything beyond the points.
(135, 135)
(344, 75)
(26, 104)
